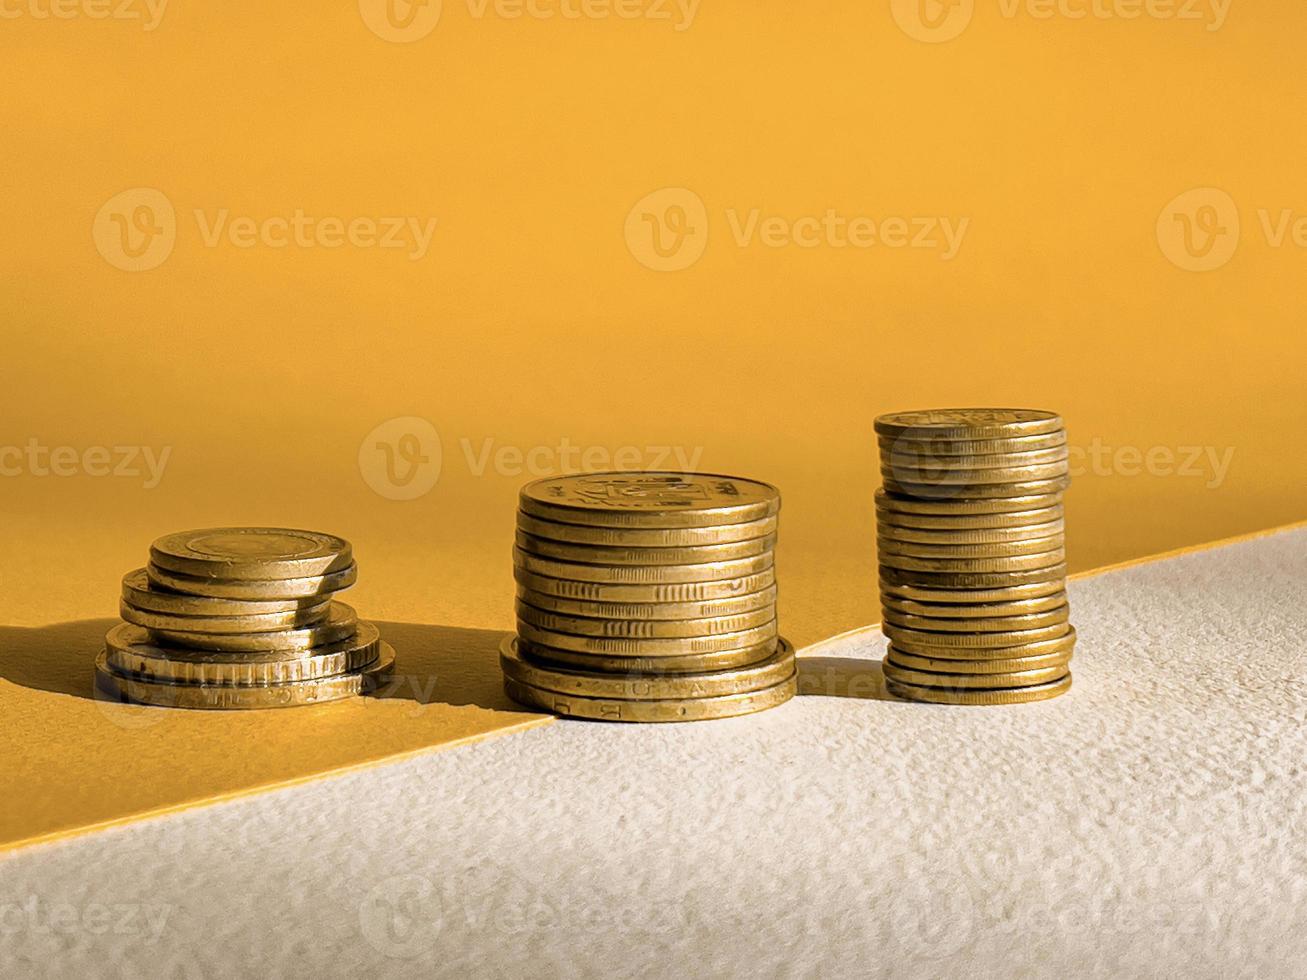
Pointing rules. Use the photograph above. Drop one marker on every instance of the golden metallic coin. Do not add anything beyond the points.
(626, 647)
(914, 662)
(263, 622)
(642, 574)
(995, 624)
(968, 596)
(647, 537)
(132, 654)
(1040, 648)
(650, 500)
(123, 637)
(952, 581)
(233, 696)
(977, 491)
(643, 687)
(251, 553)
(599, 555)
(1016, 520)
(959, 506)
(970, 476)
(959, 566)
(969, 423)
(724, 588)
(978, 610)
(662, 710)
(924, 643)
(926, 460)
(936, 537)
(956, 551)
(251, 589)
(938, 446)
(138, 592)
(696, 663)
(1012, 695)
(731, 606)
(980, 682)
(340, 625)
(644, 628)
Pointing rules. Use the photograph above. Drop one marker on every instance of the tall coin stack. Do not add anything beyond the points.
(241, 617)
(647, 597)
(970, 537)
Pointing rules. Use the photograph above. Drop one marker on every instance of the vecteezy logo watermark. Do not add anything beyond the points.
(1200, 230)
(405, 21)
(936, 21)
(667, 230)
(33, 916)
(36, 459)
(401, 459)
(148, 12)
(401, 916)
(137, 229)
(400, 21)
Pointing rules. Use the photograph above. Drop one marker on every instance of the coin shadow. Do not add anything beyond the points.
(59, 657)
(843, 677)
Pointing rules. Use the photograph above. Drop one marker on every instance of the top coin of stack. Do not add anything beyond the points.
(970, 537)
(241, 618)
(647, 597)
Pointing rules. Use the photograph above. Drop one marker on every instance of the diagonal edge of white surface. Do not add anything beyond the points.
(1151, 823)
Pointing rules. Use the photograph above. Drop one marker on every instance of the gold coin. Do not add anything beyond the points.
(310, 616)
(232, 696)
(952, 581)
(131, 654)
(1012, 695)
(969, 423)
(1016, 520)
(914, 662)
(340, 625)
(1030, 647)
(724, 588)
(644, 687)
(732, 606)
(937, 446)
(977, 491)
(946, 462)
(972, 536)
(965, 597)
(599, 555)
(251, 553)
(957, 566)
(646, 537)
(138, 592)
(626, 647)
(644, 628)
(956, 551)
(959, 506)
(662, 710)
(923, 642)
(697, 663)
(979, 682)
(994, 624)
(650, 500)
(978, 610)
(970, 476)
(642, 574)
(251, 589)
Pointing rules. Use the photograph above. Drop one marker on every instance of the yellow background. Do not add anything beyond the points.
(530, 320)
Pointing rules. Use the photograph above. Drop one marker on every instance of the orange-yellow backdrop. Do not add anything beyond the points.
(1060, 150)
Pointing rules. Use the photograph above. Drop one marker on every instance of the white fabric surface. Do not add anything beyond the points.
(1151, 823)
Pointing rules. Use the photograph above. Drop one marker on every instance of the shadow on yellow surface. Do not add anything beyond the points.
(843, 677)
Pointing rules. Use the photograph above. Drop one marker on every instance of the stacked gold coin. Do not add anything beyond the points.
(647, 597)
(970, 537)
(241, 617)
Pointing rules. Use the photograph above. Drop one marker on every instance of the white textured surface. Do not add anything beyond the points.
(1151, 823)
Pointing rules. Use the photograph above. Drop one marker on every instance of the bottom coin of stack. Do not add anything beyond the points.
(972, 556)
(647, 597)
(241, 618)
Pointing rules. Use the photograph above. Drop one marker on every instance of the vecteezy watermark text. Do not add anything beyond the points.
(33, 916)
(148, 12)
(37, 459)
(1201, 229)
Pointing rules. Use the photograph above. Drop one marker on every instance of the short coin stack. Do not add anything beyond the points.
(647, 597)
(970, 537)
(241, 617)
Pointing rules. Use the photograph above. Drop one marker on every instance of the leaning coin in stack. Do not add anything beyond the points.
(972, 555)
(647, 597)
(241, 617)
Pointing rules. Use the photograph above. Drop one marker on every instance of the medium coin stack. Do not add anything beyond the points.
(970, 538)
(647, 597)
(241, 617)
